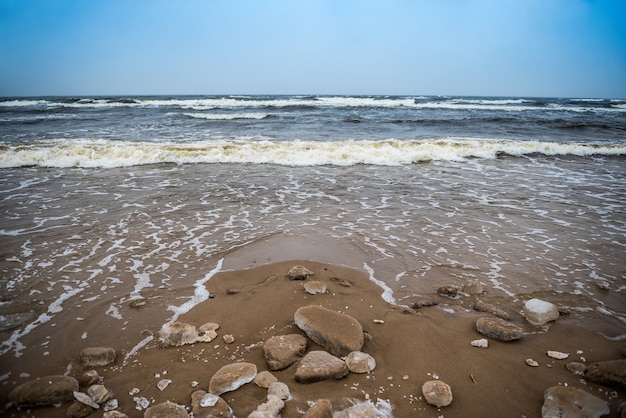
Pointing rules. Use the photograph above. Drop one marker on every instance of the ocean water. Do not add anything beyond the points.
(105, 200)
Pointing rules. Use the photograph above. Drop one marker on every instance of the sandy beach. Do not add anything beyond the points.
(410, 346)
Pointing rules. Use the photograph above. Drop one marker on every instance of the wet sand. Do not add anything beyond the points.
(410, 346)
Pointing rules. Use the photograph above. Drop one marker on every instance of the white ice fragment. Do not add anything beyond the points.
(482, 343)
(141, 403)
(85, 399)
(557, 355)
(163, 383)
(134, 391)
(539, 312)
(209, 400)
(111, 405)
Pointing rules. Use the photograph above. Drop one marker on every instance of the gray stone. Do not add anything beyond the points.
(320, 409)
(449, 291)
(232, 377)
(219, 409)
(89, 378)
(44, 391)
(99, 393)
(474, 287)
(359, 362)
(421, 303)
(609, 373)
(166, 410)
(299, 273)
(482, 306)
(280, 390)
(282, 351)
(539, 312)
(14, 320)
(499, 329)
(78, 409)
(367, 409)
(264, 379)
(338, 333)
(437, 393)
(86, 399)
(319, 365)
(576, 368)
(114, 414)
(569, 402)
(315, 288)
(97, 356)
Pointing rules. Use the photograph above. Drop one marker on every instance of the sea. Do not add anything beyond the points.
(110, 201)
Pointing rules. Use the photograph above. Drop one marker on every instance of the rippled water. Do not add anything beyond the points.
(79, 244)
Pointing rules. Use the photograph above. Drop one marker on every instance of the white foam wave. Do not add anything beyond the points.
(387, 294)
(108, 153)
(226, 116)
(234, 102)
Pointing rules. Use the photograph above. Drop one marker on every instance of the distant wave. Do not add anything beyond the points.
(227, 116)
(110, 153)
(308, 102)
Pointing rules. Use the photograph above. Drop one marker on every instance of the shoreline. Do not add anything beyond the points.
(410, 346)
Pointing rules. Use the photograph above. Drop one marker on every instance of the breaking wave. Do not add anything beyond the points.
(92, 153)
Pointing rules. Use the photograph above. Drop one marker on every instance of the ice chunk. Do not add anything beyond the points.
(539, 312)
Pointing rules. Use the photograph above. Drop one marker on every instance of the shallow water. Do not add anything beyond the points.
(78, 245)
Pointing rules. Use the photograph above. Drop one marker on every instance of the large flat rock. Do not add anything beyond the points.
(44, 391)
(338, 333)
(319, 365)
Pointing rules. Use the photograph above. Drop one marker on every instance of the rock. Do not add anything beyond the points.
(282, 351)
(539, 312)
(228, 338)
(177, 333)
(320, 365)
(89, 378)
(44, 391)
(299, 273)
(437, 393)
(97, 356)
(206, 336)
(482, 343)
(166, 410)
(449, 291)
(137, 303)
(114, 414)
(609, 373)
(557, 355)
(280, 390)
(78, 409)
(111, 404)
(474, 287)
(576, 368)
(338, 333)
(499, 329)
(320, 409)
(99, 393)
(206, 405)
(359, 362)
(421, 303)
(341, 282)
(14, 320)
(315, 288)
(264, 379)
(532, 363)
(481, 306)
(231, 377)
(565, 401)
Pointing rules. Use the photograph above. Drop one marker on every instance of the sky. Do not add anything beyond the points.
(540, 48)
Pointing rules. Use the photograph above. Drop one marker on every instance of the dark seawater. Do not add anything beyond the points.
(107, 200)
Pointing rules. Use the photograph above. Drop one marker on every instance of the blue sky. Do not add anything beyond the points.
(564, 48)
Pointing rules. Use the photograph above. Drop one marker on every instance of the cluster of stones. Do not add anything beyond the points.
(59, 389)
(558, 400)
(179, 333)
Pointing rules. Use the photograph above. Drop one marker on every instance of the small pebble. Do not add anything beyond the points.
(532, 363)
(557, 355)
